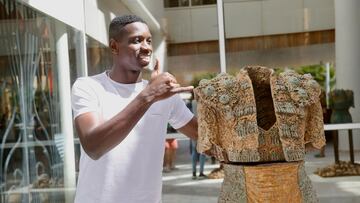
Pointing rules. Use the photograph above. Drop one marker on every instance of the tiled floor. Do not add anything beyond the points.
(178, 187)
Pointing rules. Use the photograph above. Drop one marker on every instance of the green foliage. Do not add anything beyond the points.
(205, 75)
(317, 71)
(209, 75)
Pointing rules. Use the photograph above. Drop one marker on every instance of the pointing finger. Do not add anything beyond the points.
(174, 85)
(182, 89)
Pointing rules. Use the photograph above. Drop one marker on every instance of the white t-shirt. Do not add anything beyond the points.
(130, 172)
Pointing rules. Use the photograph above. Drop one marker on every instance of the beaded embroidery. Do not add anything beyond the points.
(233, 111)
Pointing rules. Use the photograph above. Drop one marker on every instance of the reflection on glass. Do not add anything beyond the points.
(186, 3)
(175, 3)
(31, 149)
(76, 56)
(98, 56)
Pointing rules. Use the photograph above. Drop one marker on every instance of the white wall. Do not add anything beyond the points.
(244, 18)
(199, 23)
(179, 25)
(204, 23)
(282, 16)
(98, 15)
(156, 8)
(246, 24)
(321, 14)
(66, 11)
(91, 16)
(191, 24)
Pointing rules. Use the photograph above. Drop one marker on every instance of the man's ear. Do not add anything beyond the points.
(114, 47)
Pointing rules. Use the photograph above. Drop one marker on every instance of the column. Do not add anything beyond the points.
(347, 53)
(81, 54)
(63, 71)
(159, 51)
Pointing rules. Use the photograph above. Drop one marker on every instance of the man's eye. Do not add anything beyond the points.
(137, 40)
(149, 41)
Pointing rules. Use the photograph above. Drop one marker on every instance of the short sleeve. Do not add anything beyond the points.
(180, 114)
(314, 129)
(83, 97)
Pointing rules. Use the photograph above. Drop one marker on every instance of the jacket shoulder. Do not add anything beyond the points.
(303, 89)
(219, 91)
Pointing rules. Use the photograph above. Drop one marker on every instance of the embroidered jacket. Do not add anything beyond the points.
(259, 116)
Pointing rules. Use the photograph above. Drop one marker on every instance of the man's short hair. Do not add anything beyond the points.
(119, 22)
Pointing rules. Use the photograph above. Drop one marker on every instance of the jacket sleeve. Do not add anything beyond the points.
(207, 128)
(314, 127)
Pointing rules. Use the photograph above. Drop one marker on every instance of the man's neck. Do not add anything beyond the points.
(124, 76)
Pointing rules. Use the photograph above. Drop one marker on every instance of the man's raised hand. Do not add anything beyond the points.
(156, 70)
(164, 85)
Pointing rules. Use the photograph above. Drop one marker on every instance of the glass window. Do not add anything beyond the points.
(98, 56)
(186, 3)
(76, 53)
(202, 2)
(32, 141)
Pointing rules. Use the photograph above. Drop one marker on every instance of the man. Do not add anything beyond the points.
(121, 121)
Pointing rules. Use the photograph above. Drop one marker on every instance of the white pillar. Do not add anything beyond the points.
(347, 52)
(63, 71)
(81, 54)
(160, 51)
(221, 31)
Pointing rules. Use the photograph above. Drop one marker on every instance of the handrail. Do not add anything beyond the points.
(327, 127)
(341, 126)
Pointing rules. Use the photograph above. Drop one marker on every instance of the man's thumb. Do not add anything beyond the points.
(156, 70)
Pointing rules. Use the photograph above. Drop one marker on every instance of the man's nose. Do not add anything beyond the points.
(145, 46)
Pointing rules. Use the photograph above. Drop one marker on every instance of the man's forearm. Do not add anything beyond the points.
(108, 134)
(190, 129)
